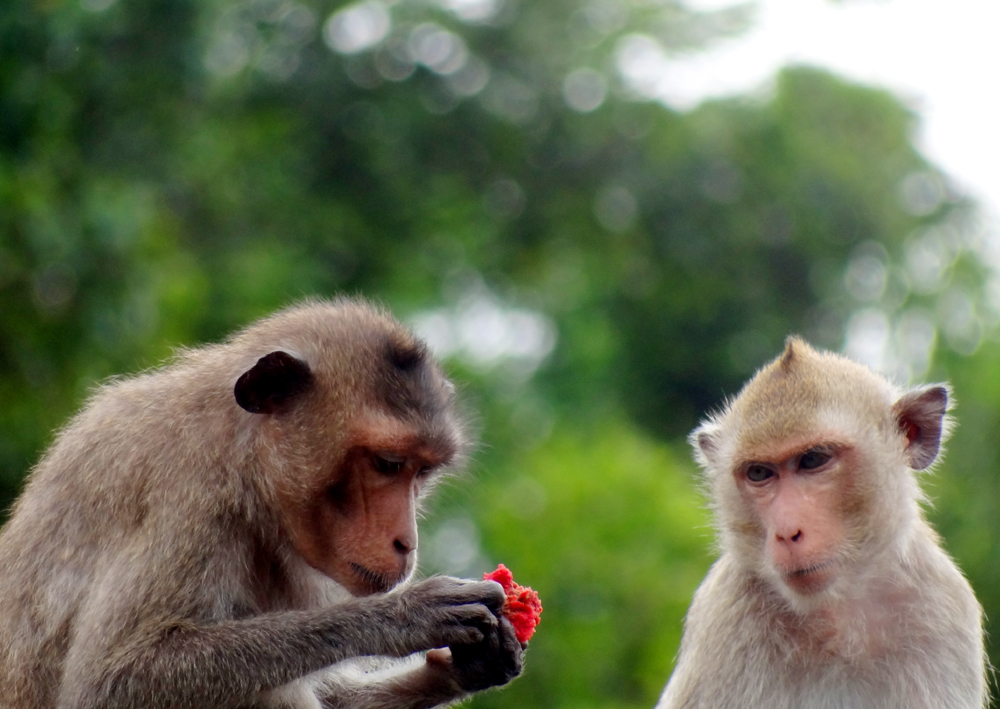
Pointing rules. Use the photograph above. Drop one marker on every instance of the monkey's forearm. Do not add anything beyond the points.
(232, 661)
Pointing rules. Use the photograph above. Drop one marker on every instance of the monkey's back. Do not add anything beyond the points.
(123, 472)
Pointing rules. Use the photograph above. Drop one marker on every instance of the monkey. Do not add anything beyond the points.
(237, 529)
(832, 590)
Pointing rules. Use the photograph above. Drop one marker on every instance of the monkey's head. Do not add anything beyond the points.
(351, 420)
(811, 468)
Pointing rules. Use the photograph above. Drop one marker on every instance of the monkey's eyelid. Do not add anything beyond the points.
(391, 457)
(388, 463)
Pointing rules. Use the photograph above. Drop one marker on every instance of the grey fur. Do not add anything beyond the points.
(147, 563)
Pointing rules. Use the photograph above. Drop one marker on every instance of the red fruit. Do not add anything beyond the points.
(522, 607)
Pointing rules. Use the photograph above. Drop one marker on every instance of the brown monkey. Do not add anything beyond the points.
(237, 530)
(832, 591)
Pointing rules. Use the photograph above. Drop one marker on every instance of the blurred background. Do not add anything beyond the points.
(600, 230)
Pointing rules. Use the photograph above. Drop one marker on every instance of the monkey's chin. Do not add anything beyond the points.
(365, 581)
(810, 580)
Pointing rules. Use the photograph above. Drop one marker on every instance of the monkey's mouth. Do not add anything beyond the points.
(811, 579)
(799, 573)
(373, 581)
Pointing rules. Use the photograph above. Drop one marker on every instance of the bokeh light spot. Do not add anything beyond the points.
(866, 275)
(505, 199)
(357, 27)
(615, 208)
(922, 193)
(584, 90)
(438, 49)
(473, 10)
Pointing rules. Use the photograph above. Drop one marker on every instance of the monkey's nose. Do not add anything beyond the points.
(796, 537)
(403, 546)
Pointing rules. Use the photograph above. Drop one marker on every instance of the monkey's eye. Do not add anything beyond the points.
(814, 458)
(758, 473)
(389, 465)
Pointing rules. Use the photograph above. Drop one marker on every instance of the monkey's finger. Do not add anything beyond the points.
(496, 598)
(511, 650)
(495, 661)
(488, 593)
(439, 656)
(475, 614)
(446, 589)
(455, 635)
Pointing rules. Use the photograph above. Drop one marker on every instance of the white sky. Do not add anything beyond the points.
(942, 57)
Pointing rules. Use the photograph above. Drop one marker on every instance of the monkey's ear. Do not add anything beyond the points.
(920, 414)
(704, 440)
(268, 385)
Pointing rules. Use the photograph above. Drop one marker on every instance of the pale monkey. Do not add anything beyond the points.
(831, 591)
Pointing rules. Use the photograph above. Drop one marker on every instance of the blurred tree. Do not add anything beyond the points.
(585, 515)
(170, 169)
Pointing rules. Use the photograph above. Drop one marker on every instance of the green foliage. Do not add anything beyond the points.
(171, 169)
(607, 526)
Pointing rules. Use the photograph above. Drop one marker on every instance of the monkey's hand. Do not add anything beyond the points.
(495, 660)
(444, 611)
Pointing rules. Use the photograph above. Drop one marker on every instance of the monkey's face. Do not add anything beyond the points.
(811, 468)
(799, 497)
(359, 525)
(352, 423)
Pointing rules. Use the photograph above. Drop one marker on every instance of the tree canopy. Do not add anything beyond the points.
(598, 269)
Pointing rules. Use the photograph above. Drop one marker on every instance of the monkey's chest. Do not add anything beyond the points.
(860, 633)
